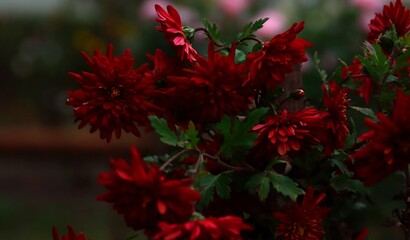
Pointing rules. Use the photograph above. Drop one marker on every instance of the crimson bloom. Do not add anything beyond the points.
(114, 96)
(393, 13)
(357, 73)
(388, 144)
(144, 196)
(302, 221)
(289, 131)
(212, 88)
(277, 58)
(335, 101)
(71, 235)
(171, 26)
(222, 228)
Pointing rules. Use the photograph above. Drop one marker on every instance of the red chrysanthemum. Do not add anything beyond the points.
(393, 13)
(356, 72)
(277, 58)
(211, 89)
(289, 131)
(302, 221)
(114, 96)
(71, 235)
(363, 234)
(144, 196)
(335, 101)
(388, 147)
(222, 228)
(171, 26)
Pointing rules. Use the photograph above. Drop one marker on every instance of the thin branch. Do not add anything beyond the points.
(176, 156)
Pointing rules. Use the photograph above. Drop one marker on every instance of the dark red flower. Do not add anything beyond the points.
(171, 26)
(335, 101)
(114, 96)
(277, 58)
(144, 196)
(71, 235)
(363, 234)
(289, 131)
(222, 228)
(302, 221)
(388, 144)
(393, 13)
(357, 73)
(212, 88)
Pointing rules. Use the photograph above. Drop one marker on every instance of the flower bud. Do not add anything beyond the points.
(297, 94)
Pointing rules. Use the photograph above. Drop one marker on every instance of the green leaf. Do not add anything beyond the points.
(322, 73)
(261, 182)
(240, 56)
(250, 28)
(212, 30)
(192, 135)
(264, 189)
(366, 111)
(237, 134)
(345, 183)
(285, 185)
(257, 183)
(337, 161)
(210, 183)
(161, 127)
(375, 61)
(401, 61)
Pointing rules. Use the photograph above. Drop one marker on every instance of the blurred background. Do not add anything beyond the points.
(48, 168)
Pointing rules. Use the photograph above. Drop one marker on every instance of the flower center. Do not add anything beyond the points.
(114, 92)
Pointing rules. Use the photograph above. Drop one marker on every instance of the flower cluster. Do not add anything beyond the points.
(245, 144)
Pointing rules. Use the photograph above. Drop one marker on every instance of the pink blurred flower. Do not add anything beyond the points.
(275, 24)
(367, 5)
(233, 8)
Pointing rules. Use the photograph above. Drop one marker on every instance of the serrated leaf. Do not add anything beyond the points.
(340, 165)
(254, 181)
(401, 61)
(161, 127)
(322, 73)
(250, 28)
(264, 189)
(345, 183)
(366, 111)
(285, 185)
(238, 135)
(210, 183)
(192, 135)
(212, 30)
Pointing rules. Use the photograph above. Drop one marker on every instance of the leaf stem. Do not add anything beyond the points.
(173, 158)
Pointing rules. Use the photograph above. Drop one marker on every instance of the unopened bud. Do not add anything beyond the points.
(189, 33)
(297, 94)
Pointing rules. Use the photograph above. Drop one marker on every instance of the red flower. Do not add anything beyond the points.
(302, 221)
(171, 26)
(71, 235)
(336, 102)
(388, 147)
(363, 234)
(212, 88)
(356, 72)
(277, 58)
(222, 228)
(393, 13)
(288, 132)
(113, 96)
(144, 196)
